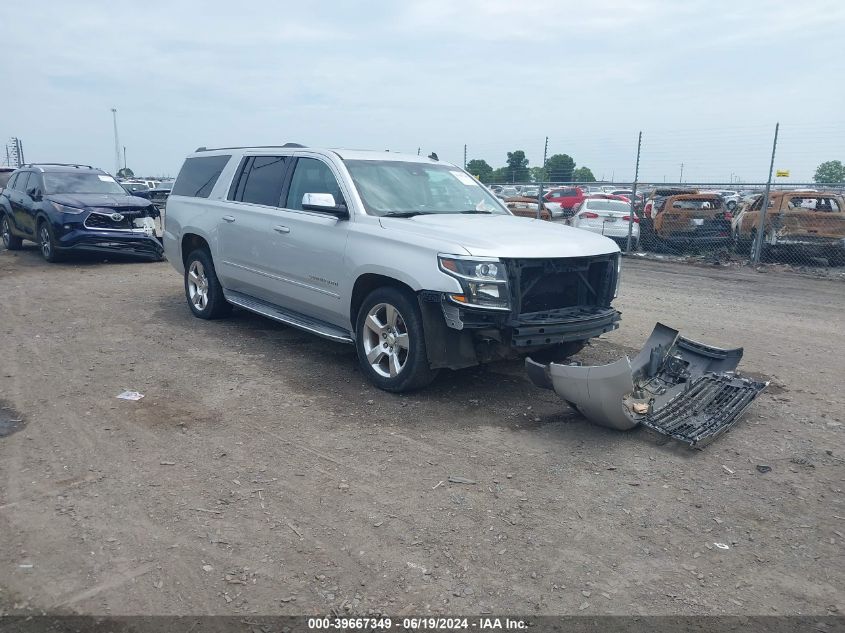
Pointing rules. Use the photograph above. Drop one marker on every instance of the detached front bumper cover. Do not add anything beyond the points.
(676, 386)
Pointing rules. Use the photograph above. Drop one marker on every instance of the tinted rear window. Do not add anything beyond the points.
(261, 180)
(199, 175)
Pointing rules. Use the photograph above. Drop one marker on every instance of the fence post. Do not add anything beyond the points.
(634, 193)
(758, 242)
(542, 177)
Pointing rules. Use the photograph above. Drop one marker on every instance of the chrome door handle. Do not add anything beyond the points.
(229, 218)
(281, 229)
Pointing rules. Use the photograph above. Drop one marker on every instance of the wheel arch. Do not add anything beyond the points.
(365, 284)
(190, 242)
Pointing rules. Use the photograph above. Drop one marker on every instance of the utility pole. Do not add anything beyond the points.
(418, 151)
(124, 156)
(681, 179)
(634, 193)
(116, 143)
(758, 241)
(465, 155)
(542, 178)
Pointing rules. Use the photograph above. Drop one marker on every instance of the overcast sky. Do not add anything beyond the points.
(704, 80)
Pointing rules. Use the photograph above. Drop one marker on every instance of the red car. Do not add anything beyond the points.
(566, 197)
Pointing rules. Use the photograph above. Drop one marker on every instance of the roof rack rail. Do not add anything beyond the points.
(214, 149)
(59, 165)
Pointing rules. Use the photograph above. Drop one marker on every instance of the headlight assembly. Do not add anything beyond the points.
(484, 282)
(61, 208)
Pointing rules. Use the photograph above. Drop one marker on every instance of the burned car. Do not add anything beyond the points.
(799, 223)
(678, 387)
(689, 221)
(65, 208)
(526, 207)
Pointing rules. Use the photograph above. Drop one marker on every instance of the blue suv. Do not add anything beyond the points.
(65, 208)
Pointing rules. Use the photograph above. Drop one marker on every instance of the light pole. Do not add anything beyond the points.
(681, 179)
(116, 143)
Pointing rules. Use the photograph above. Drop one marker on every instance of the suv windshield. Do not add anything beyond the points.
(394, 187)
(85, 182)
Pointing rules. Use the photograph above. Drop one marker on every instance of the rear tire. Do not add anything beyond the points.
(11, 242)
(390, 341)
(202, 288)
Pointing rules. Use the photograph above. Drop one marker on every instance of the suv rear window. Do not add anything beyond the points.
(260, 180)
(199, 175)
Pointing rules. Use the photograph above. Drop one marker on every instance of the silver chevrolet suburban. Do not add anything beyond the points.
(408, 258)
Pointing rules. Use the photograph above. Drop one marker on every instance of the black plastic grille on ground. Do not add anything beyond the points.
(708, 406)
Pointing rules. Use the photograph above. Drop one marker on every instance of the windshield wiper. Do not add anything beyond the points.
(405, 214)
(477, 211)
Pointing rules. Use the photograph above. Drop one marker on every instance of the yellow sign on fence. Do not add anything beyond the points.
(782, 173)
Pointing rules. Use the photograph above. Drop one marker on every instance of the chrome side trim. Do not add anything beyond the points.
(278, 278)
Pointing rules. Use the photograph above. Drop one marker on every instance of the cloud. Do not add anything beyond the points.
(494, 74)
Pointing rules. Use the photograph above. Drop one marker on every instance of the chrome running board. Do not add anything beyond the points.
(288, 317)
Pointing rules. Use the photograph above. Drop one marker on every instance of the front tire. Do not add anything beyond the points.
(202, 288)
(11, 242)
(46, 242)
(390, 341)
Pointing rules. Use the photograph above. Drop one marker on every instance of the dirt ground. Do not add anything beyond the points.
(262, 474)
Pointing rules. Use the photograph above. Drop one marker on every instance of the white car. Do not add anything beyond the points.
(609, 218)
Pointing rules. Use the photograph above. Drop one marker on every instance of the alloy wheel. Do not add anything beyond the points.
(197, 285)
(385, 339)
(44, 239)
(5, 231)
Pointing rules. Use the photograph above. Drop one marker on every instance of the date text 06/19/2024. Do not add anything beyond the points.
(418, 623)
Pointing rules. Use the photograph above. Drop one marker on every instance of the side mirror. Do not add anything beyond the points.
(324, 203)
(34, 193)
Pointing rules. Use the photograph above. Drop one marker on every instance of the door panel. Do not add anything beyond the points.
(247, 242)
(312, 261)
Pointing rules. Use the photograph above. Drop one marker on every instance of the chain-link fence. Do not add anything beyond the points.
(773, 219)
(803, 224)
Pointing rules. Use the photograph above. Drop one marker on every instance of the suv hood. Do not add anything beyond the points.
(107, 200)
(504, 235)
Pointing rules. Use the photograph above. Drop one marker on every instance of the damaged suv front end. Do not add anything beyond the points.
(515, 306)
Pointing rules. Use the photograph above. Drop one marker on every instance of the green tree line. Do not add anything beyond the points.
(559, 168)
